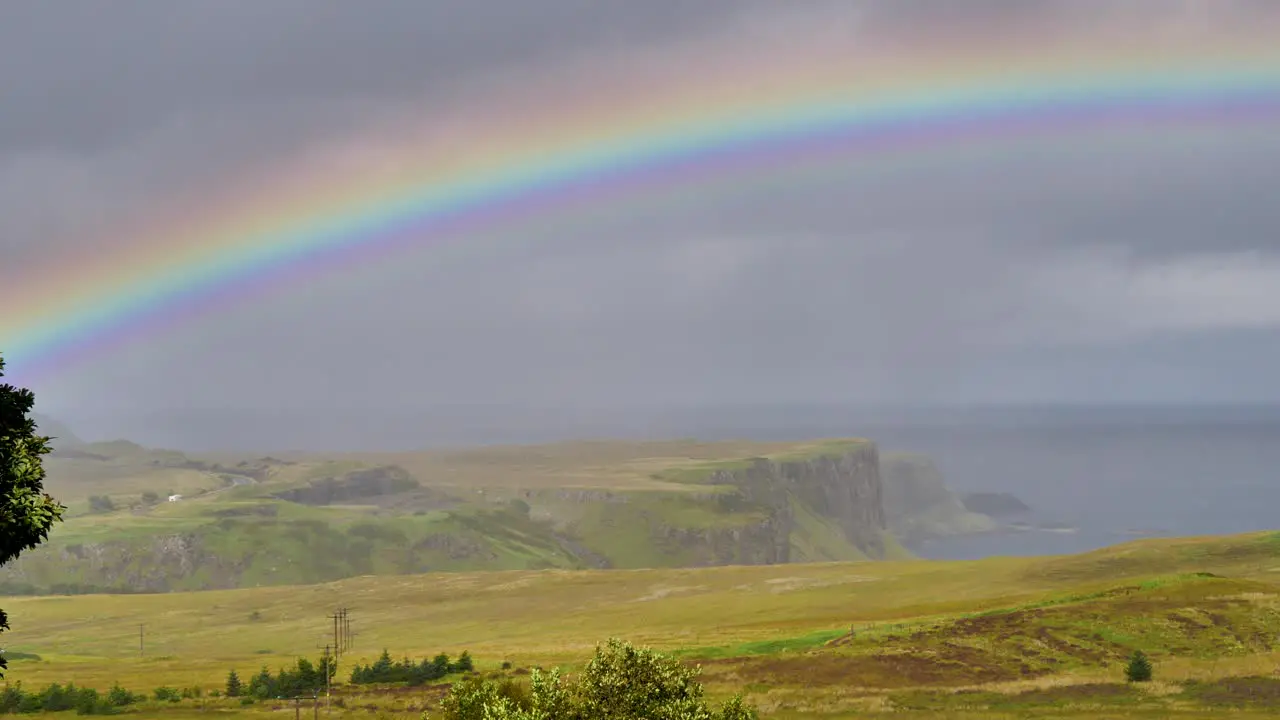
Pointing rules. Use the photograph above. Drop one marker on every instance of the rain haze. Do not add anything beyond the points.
(1104, 272)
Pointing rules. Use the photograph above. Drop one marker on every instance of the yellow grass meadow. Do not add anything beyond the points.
(912, 638)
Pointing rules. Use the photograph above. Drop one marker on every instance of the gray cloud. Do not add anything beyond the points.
(1050, 266)
(88, 76)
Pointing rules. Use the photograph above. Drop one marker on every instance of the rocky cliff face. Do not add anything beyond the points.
(844, 488)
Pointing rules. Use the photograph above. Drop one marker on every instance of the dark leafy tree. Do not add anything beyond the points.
(27, 512)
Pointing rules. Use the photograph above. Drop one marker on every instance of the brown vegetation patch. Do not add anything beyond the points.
(950, 666)
(1237, 691)
(1067, 694)
(1019, 629)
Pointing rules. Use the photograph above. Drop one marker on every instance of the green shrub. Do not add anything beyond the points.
(58, 698)
(119, 697)
(167, 693)
(1139, 667)
(90, 702)
(11, 697)
(620, 682)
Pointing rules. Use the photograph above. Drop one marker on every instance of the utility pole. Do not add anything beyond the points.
(328, 688)
(337, 648)
(333, 652)
(346, 630)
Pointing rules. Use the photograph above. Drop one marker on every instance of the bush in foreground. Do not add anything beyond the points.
(27, 513)
(621, 682)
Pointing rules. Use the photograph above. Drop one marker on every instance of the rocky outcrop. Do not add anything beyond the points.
(575, 496)
(148, 566)
(763, 542)
(359, 484)
(457, 547)
(998, 505)
(842, 486)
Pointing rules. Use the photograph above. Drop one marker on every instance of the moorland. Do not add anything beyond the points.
(777, 569)
(997, 638)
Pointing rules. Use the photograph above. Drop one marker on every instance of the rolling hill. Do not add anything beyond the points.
(998, 638)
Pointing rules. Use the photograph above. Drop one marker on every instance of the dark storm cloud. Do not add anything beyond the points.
(1047, 264)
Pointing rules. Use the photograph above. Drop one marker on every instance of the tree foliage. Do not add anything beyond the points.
(383, 670)
(304, 678)
(621, 682)
(57, 698)
(233, 685)
(27, 512)
(1139, 667)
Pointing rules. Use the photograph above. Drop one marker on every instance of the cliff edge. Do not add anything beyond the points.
(824, 503)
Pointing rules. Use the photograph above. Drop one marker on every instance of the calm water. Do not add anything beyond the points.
(1179, 480)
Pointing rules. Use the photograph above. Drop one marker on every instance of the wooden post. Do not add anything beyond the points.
(297, 708)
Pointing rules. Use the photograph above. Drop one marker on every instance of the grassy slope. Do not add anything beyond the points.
(304, 544)
(1026, 635)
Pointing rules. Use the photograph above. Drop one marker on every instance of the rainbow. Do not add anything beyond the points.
(709, 132)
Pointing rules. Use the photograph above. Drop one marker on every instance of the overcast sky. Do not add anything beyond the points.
(1102, 268)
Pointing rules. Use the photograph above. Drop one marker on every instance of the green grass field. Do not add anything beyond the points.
(999, 638)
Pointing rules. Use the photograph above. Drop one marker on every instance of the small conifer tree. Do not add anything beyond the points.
(1139, 667)
(233, 684)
